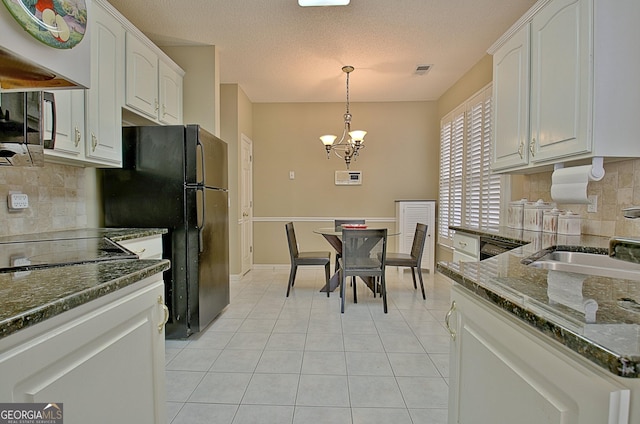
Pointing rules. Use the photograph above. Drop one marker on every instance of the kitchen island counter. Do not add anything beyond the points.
(589, 315)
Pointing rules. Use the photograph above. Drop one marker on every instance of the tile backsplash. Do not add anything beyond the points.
(619, 188)
(57, 198)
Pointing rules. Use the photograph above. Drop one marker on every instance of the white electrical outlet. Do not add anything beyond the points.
(593, 203)
(18, 201)
(20, 261)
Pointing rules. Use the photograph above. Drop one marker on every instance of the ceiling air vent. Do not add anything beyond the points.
(423, 69)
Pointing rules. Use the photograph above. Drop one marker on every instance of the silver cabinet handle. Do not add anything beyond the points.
(94, 141)
(447, 317)
(532, 147)
(78, 136)
(166, 314)
(156, 105)
(462, 244)
(521, 149)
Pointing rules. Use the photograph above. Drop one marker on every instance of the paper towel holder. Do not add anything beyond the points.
(597, 168)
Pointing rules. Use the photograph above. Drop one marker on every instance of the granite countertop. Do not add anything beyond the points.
(585, 313)
(27, 298)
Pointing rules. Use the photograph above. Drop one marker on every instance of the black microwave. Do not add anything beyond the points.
(21, 127)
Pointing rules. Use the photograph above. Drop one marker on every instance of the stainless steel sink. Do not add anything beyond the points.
(589, 264)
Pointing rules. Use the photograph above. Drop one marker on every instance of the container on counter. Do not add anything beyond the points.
(550, 220)
(515, 214)
(569, 223)
(533, 213)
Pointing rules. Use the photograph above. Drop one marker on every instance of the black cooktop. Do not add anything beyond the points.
(26, 255)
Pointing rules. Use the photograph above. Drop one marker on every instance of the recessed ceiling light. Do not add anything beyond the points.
(305, 3)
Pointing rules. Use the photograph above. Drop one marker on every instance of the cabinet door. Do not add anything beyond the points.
(145, 247)
(560, 77)
(501, 372)
(511, 102)
(109, 360)
(69, 144)
(104, 98)
(170, 95)
(142, 77)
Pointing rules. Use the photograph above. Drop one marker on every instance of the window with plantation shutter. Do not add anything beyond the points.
(469, 194)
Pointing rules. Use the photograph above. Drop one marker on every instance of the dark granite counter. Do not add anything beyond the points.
(30, 297)
(588, 314)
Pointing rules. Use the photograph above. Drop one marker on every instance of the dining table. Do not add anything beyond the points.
(333, 236)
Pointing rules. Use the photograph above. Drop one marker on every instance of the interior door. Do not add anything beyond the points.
(246, 206)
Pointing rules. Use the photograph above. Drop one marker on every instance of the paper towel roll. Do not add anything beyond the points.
(569, 185)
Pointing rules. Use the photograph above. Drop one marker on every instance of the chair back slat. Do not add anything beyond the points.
(364, 250)
(417, 248)
(291, 239)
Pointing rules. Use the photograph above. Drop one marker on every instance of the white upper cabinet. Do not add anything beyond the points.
(142, 77)
(565, 84)
(170, 82)
(104, 98)
(154, 83)
(560, 75)
(511, 102)
(70, 132)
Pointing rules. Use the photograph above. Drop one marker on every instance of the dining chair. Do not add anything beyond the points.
(363, 255)
(305, 258)
(337, 225)
(412, 260)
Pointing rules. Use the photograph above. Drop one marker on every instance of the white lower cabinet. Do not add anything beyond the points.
(466, 247)
(503, 372)
(103, 360)
(145, 247)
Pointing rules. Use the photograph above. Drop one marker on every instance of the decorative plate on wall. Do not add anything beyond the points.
(57, 23)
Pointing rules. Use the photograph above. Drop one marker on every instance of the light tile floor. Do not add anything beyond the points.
(271, 359)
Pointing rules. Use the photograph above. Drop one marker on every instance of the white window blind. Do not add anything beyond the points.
(469, 193)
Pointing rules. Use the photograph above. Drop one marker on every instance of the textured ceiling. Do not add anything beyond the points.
(278, 51)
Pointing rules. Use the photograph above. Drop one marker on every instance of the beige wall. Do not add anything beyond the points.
(201, 84)
(400, 161)
(236, 118)
(477, 77)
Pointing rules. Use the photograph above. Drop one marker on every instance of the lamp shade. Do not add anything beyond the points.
(328, 140)
(358, 135)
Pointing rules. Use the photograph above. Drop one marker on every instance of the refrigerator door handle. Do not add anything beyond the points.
(201, 224)
(202, 167)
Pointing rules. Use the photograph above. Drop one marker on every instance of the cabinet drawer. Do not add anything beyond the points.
(467, 244)
(145, 247)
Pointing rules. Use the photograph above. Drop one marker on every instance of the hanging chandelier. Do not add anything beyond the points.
(351, 142)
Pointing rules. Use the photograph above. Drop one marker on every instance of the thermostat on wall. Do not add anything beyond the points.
(348, 177)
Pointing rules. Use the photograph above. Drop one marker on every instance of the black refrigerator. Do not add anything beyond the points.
(175, 177)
